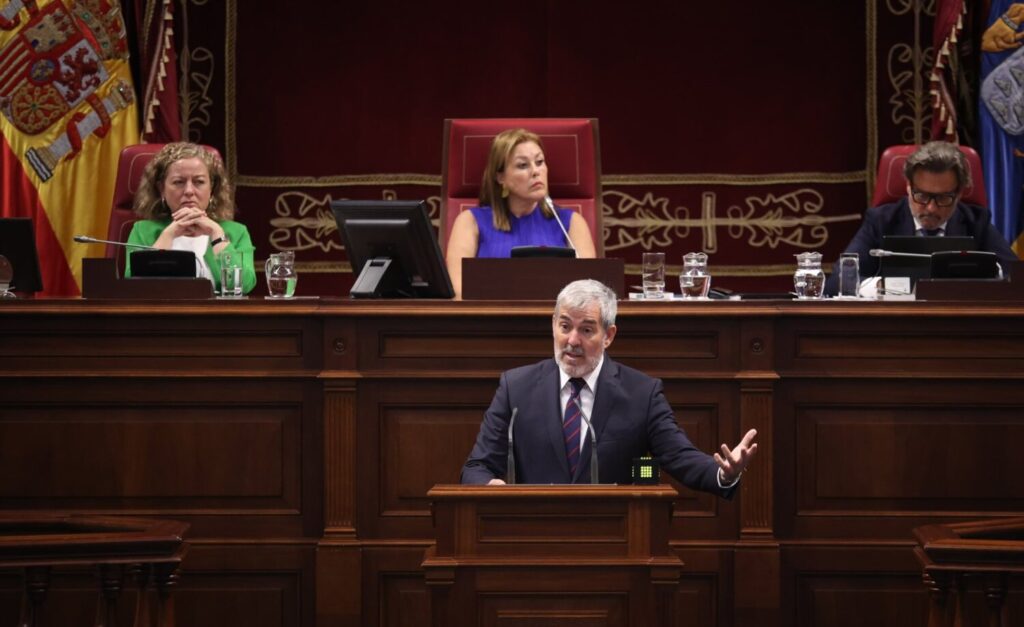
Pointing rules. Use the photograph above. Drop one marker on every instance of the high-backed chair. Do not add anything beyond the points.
(891, 185)
(130, 165)
(571, 149)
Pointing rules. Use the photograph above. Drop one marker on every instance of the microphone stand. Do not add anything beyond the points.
(84, 239)
(510, 463)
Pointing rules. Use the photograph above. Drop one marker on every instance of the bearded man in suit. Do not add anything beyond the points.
(626, 408)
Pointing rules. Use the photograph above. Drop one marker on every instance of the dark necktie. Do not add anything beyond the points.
(571, 425)
(931, 232)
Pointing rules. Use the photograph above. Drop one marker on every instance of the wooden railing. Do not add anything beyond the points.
(960, 557)
(137, 552)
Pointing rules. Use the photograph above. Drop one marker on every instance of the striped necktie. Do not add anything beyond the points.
(571, 425)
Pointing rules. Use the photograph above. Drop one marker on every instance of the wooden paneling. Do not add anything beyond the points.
(277, 428)
(875, 458)
(411, 436)
(247, 584)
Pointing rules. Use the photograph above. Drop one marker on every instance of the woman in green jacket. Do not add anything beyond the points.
(184, 202)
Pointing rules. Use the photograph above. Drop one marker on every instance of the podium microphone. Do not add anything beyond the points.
(593, 448)
(83, 239)
(510, 466)
(881, 252)
(551, 205)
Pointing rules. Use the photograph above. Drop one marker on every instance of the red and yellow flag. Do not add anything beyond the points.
(67, 108)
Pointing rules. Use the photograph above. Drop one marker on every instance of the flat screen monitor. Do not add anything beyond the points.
(917, 267)
(392, 246)
(18, 245)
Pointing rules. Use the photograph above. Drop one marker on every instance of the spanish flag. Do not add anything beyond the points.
(67, 108)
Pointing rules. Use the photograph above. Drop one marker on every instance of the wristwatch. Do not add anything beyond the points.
(218, 241)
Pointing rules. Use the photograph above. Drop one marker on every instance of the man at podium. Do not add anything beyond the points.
(554, 411)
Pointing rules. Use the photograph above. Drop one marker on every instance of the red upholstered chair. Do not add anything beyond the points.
(132, 162)
(571, 149)
(891, 185)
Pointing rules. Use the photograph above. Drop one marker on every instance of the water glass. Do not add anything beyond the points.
(230, 275)
(849, 274)
(653, 274)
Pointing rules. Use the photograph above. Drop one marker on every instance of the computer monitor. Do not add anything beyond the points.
(918, 267)
(18, 245)
(392, 246)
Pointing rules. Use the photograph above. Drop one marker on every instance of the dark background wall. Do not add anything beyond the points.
(749, 131)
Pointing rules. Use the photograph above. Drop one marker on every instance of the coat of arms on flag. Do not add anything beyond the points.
(54, 64)
(67, 107)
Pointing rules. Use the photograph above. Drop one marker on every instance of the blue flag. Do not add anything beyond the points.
(1001, 118)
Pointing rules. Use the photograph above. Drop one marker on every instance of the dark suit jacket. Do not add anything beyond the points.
(896, 219)
(631, 418)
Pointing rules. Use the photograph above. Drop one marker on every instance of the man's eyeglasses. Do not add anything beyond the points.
(941, 200)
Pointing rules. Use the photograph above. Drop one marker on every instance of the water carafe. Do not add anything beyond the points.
(809, 279)
(694, 281)
(281, 275)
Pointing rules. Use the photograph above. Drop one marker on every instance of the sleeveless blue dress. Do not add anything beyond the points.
(533, 229)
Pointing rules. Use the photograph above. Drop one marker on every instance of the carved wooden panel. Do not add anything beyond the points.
(856, 584)
(412, 435)
(222, 451)
(265, 585)
(877, 458)
(545, 610)
(437, 344)
(158, 343)
(902, 344)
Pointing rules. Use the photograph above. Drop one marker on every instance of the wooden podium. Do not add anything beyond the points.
(552, 555)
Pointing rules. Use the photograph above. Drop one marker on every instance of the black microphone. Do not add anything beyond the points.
(593, 447)
(881, 252)
(551, 205)
(83, 239)
(510, 466)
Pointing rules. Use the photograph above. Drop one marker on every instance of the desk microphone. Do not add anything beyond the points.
(881, 252)
(510, 466)
(82, 239)
(593, 447)
(551, 205)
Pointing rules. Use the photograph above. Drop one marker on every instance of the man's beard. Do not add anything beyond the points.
(579, 369)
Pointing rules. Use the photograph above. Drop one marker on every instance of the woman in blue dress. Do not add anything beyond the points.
(512, 210)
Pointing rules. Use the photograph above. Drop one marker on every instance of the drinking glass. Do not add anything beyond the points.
(653, 274)
(849, 274)
(230, 274)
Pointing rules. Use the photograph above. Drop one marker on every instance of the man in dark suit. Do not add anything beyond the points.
(627, 410)
(937, 173)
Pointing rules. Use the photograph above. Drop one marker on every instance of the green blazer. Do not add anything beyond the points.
(145, 232)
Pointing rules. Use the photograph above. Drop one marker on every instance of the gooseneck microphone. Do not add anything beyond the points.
(593, 447)
(881, 252)
(83, 239)
(510, 464)
(551, 205)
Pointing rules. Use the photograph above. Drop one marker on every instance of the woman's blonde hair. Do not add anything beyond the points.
(149, 202)
(490, 190)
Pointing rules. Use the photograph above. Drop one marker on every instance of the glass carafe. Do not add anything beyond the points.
(809, 279)
(694, 281)
(281, 275)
